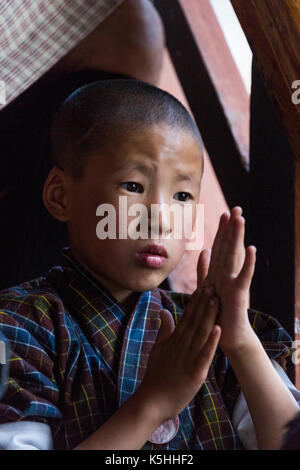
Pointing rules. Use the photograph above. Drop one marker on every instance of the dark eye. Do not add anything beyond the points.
(132, 187)
(183, 197)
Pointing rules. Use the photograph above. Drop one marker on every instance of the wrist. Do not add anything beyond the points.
(147, 408)
(247, 343)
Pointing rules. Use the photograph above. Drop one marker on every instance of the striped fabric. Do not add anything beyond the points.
(76, 357)
(35, 34)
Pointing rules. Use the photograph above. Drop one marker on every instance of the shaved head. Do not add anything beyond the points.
(94, 117)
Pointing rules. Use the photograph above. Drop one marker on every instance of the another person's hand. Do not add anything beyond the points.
(231, 268)
(180, 358)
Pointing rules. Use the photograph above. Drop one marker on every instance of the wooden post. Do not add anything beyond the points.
(272, 218)
(272, 28)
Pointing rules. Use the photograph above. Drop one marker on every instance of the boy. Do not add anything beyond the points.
(97, 362)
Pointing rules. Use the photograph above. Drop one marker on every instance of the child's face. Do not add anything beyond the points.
(155, 165)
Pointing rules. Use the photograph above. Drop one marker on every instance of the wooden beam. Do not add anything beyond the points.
(190, 28)
(272, 28)
(222, 69)
(271, 223)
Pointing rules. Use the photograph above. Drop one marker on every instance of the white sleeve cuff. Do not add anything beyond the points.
(25, 435)
(241, 417)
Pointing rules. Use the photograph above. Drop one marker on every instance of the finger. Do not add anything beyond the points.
(194, 312)
(191, 305)
(245, 277)
(235, 256)
(201, 306)
(202, 326)
(202, 267)
(237, 211)
(167, 326)
(228, 235)
(206, 355)
(215, 253)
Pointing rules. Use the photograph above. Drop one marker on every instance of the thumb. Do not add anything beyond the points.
(167, 326)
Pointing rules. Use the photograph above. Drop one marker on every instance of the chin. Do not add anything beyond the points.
(143, 285)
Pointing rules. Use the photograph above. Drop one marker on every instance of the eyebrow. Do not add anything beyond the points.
(187, 177)
(134, 166)
(183, 177)
(140, 167)
(146, 170)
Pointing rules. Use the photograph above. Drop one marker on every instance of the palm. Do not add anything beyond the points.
(229, 270)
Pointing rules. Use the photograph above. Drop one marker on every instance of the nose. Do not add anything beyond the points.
(159, 218)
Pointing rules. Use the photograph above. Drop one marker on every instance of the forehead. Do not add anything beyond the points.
(156, 146)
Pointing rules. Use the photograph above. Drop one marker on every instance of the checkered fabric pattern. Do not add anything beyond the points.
(76, 357)
(35, 34)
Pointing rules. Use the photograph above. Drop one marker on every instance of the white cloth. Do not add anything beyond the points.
(241, 418)
(35, 35)
(29, 435)
(25, 435)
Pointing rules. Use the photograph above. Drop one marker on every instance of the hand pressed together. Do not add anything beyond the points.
(230, 271)
(181, 357)
(217, 313)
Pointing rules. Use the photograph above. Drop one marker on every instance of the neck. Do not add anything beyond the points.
(126, 297)
(129, 303)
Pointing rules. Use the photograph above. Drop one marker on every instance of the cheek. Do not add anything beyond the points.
(176, 250)
(83, 219)
(189, 218)
(131, 219)
(183, 223)
(193, 218)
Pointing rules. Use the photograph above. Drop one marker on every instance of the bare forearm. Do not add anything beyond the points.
(128, 429)
(270, 403)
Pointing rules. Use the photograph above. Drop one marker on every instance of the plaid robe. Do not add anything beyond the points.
(76, 357)
(35, 35)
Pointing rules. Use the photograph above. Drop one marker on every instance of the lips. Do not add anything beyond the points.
(155, 250)
(153, 256)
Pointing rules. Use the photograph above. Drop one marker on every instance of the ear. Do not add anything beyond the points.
(54, 194)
